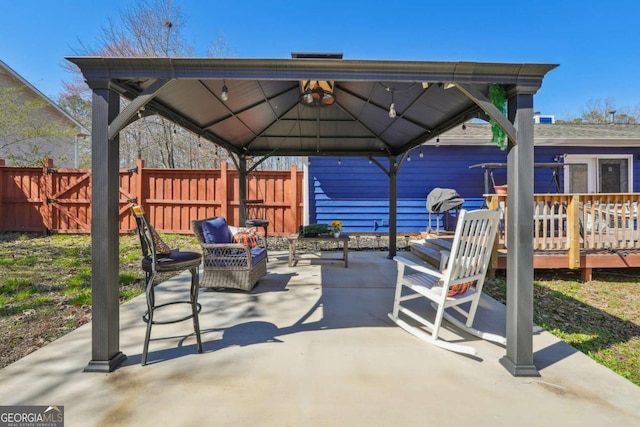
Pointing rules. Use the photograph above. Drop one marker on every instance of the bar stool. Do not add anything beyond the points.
(159, 258)
(255, 217)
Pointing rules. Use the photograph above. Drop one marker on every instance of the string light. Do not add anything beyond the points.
(392, 107)
(225, 92)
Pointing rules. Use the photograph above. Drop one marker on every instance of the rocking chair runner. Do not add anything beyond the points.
(460, 282)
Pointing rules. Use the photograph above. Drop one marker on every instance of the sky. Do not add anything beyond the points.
(595, 43)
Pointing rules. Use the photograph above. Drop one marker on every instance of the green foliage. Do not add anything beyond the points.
(129, 278)
(24, 123)
(82, 298)
(498, 97)
(315, 230)
(13, 285)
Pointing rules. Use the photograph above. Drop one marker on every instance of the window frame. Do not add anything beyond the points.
(593, 171)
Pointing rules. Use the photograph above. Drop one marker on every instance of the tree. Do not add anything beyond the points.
(150, 28)
(24, 124)
(605, 111)
(153, 28)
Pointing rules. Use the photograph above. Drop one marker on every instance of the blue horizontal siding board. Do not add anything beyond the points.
(357, 192)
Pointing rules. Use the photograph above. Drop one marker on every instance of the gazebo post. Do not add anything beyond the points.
(105, 163)
(242, 189)
(393, 204)
(519, 357)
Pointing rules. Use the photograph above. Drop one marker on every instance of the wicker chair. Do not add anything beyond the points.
(227, 264)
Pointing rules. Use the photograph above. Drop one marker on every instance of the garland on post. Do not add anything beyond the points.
(498, 97)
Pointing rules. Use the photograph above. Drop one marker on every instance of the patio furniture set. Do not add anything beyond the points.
(232, 259)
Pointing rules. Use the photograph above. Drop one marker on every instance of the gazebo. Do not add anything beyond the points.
(311, 105)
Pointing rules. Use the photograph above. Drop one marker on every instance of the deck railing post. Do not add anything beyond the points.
(494, 204)
(573, 225)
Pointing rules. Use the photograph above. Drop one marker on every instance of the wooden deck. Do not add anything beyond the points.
(542, 259)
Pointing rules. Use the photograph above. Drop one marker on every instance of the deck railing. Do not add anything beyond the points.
(575, 222)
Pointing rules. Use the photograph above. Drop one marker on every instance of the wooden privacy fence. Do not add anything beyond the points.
(51, 200)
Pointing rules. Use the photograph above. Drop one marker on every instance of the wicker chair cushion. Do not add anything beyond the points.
(216, 231)
(257, 255)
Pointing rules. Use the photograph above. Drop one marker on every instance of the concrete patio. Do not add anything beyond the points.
(312, 346)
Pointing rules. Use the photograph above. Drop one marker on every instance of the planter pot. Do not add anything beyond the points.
(501, 189)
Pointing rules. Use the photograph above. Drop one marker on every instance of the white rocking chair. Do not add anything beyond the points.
(458, 283)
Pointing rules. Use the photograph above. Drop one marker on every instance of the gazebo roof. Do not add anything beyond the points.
(263, 114)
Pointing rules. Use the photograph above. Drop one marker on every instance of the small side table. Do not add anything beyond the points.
(343, 237)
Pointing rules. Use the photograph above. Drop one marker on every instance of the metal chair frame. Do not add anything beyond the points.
(154, 263)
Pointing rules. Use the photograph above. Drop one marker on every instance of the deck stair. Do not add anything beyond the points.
(430, 249)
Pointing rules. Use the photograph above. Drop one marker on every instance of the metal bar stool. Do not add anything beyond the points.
(159, 258)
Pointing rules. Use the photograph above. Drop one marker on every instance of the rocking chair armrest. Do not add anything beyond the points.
(444, 257)
(418, 267)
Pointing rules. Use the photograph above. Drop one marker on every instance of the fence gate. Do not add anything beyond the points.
(67, 196)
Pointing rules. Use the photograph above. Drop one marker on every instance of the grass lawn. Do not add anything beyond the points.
(45, 292)
(601, 318)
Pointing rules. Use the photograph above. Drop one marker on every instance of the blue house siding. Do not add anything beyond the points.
(356, 192)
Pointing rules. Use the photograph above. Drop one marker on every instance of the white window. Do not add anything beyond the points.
(599, 173)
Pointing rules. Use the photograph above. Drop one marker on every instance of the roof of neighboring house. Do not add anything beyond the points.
(5, 69)
(586, 134)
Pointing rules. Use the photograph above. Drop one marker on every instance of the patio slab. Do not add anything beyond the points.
(312, 346)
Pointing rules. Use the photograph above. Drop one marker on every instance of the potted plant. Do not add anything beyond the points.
(336, 226)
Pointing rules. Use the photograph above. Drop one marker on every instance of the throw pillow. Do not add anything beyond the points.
(215, 230)
(459, 288)
(247, 237)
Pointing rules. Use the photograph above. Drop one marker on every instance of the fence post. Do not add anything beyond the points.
(2, 224)
(294, 201)
(139, 184)
(46, 197)
(224, 191)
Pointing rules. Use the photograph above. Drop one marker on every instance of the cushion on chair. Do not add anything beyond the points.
(458, 289)
(257, 255)
(216, 231)
(173, 261)
(247, 237)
